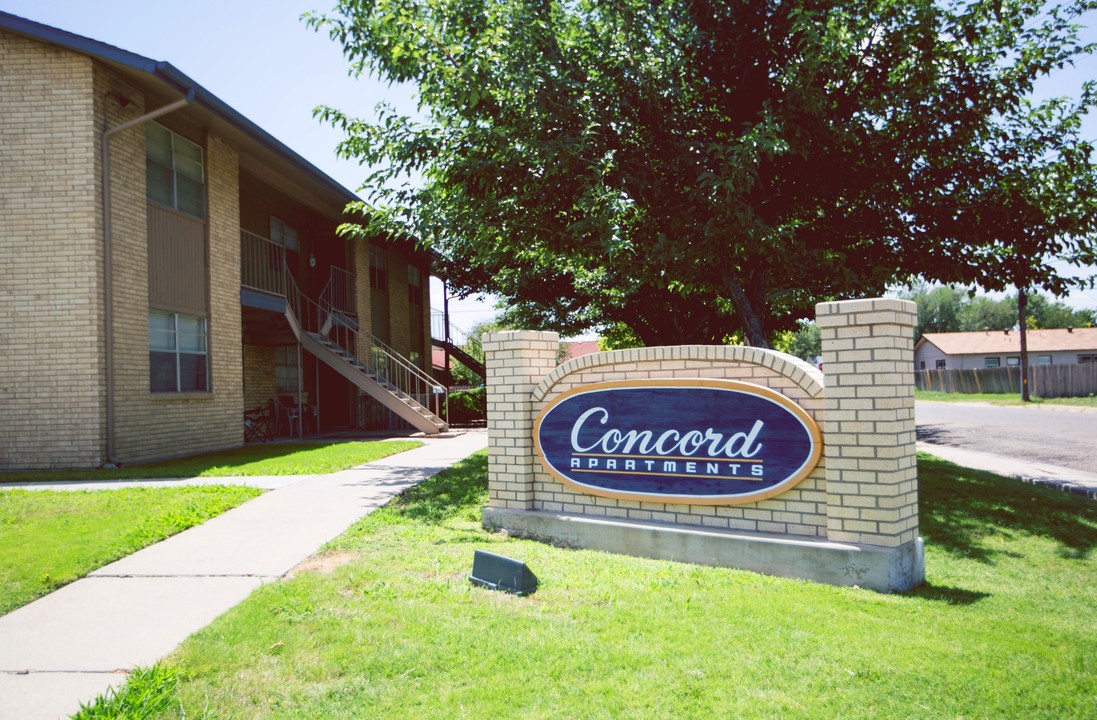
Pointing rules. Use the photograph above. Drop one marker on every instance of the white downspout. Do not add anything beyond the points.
(108, 263)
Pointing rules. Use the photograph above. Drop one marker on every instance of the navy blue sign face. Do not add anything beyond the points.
(684, 441)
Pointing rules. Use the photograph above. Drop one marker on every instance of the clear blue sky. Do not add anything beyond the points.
(260, 58)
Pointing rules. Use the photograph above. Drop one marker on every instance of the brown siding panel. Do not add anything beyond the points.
(177, 261)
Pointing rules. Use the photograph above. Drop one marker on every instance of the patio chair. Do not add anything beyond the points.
(257, 424)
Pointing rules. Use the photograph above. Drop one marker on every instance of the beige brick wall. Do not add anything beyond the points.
(872, 475)
(51, 379)
(865, 488)
(516, 361)
(260, 382)
(360, 249)
(427, 344)
(799, 511)
(398, 303)
(154, 425)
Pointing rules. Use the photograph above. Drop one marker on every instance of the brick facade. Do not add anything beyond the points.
(57, 104)
(260, 382)
(399, 308)
(51, 352)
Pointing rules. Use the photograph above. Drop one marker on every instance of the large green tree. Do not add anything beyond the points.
(697, 169)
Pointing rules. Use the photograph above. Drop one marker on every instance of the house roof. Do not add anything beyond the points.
(579, 348)
(991, 342)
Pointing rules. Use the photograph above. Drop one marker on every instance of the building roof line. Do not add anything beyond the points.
(174, 78)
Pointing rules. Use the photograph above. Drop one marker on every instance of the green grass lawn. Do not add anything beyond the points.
(391, 628)
(50, 538)
(291, 458)
(1003, 399)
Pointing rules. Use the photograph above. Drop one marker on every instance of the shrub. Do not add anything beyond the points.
(467, 406)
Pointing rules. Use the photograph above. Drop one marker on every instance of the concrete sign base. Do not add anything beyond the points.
(885, 569)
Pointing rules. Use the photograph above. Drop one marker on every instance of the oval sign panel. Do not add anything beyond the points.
(693, 441)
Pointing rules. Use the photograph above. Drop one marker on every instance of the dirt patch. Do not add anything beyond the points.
(323, 563)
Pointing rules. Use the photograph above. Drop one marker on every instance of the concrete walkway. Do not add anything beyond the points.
(73, 644)
(1077, 482)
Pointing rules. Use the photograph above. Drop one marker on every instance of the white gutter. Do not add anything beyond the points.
(108, 262)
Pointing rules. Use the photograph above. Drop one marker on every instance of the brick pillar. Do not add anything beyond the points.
(516, 361)
(871, 464)
(360, 248)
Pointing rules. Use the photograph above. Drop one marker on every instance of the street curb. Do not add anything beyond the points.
(1060, 485)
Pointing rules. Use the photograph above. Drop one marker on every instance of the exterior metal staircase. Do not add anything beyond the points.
(458, 343)
(332, 337)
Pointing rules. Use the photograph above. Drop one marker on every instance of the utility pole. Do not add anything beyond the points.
(1022, 316)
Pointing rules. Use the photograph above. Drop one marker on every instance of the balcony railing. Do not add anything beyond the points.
(262, 264)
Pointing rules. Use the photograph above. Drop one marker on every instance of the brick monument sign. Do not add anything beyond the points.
(721, 455)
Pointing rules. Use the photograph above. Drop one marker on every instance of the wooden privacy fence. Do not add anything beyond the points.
(1048, 381)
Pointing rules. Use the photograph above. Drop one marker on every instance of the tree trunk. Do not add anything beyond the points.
(748, 314)
(1022, 316)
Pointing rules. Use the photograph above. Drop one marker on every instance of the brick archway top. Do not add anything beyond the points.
(807, 377)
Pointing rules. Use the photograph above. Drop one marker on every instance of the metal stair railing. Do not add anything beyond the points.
(264, 268)
(385, 365)
(408, 378)
(340, 292)
(454, 335)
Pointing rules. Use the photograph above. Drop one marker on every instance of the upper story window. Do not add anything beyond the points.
(415, 285)
(378, 269)
(173, 171)
(284, 235)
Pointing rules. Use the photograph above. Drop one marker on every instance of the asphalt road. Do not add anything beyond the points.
(1063, 437)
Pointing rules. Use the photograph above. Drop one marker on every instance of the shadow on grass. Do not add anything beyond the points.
(950, 595)
(449, 493)
(960, 507)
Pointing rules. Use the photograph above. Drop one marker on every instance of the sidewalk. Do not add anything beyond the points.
(74, 643)
(1077, 482)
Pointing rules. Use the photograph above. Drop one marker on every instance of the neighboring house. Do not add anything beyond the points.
(1002, 348)
(168, 265)
(579, 348)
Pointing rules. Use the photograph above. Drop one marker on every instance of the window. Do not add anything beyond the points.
(178, 359)
(992, 362)
(415, 285)
(1043, 360)
(173, 171)
(1087, 359)
(922, 365)
(942, 364)
(378, 272)
(285, 369)
(1013, 361)
(284, 235)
